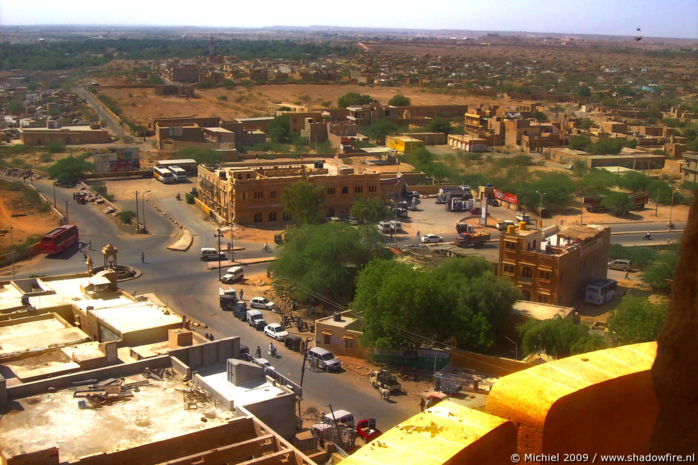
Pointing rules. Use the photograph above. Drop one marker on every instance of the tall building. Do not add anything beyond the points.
(554, 265)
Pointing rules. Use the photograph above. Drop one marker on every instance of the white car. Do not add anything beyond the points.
(264, 363)
(261, 302)
(276, 331)
(431, 238)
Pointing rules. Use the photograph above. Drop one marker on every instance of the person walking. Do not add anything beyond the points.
(241, 293)
(142, 257)
(89, 244)
(627, 273)
(418, 235)
(421, 404)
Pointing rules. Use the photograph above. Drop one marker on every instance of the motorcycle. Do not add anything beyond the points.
(179, 197)
(648, 236)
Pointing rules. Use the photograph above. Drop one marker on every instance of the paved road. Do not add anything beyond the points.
(112, 124)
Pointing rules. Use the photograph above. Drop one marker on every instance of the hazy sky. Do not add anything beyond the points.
(659, 18)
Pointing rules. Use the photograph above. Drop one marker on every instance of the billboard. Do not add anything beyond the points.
(505, 196)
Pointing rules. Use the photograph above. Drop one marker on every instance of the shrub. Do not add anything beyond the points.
(189, 198)
(126, 216)
(55, 147)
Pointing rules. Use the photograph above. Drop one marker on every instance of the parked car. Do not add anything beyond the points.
(260, 325)
(431, 238)
(502, 225)
(264, 363)
(233, 274)
(324, 359)
(276, 331)
(208, 253)
(523, 217)
(493, 202)
(262, 303)
(620, 264)
(476, 211)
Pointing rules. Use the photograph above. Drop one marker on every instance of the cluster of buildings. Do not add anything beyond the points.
(121, 379)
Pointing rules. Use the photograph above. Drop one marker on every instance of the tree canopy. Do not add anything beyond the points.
(301, 200)
(279, 129)
(380, 129)
(353, 98)
(70, 170)
(369, 210)
(539, 116)
(636, 320)
(399, 101)
(440, 125)
(558, 337)
(461, 300)
(618, 202)
(661, 273)
(324, 259)
(201, 155)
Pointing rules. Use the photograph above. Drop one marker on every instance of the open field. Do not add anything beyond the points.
(26, 220)
(139, 104)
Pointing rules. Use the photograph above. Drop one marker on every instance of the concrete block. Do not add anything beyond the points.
(241, 372)
(179, 338)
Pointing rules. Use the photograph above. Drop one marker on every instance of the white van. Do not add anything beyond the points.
(233, 274)
(323, 359)
(253, 316)
(209, 253)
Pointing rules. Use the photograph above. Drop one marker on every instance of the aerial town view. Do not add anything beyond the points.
(374, 233)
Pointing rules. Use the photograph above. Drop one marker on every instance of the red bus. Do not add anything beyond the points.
(60, 239)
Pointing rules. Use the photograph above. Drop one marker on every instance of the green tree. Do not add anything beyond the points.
(126, 216)
(369, 210)
(639, 256)
(55, 147)
(582, 91)
(580, 142)
(660, 274)
(607, 146)
(201, 155)
(16, 107)
(324, 259)
(69, 170)
(618, 202)
(461, 299)
(539, 116)
(585, 123)
(558, 337)
(399, 101)
(380, 129)
(440, 125)
(636, 320)
(635, 181)
(353, 98)
(301, 201)
(279, 129)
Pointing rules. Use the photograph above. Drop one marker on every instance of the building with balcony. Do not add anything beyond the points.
(554, 266)
(251, 193)
(690, 166)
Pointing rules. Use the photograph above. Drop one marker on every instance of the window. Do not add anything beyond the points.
(526, 274)
(272, 217)
(347, 343)
(544, 275)
(287, 217)
(258, 195)
(326, 339)
(331, 191)
(244, 195)
(272, 194)
(258, 218)
(358, 189)
(372, 188)
(508, 269)
(345, 190)
(543, 298)
(509, 245)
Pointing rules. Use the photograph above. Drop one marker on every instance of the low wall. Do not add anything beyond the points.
(497, 366)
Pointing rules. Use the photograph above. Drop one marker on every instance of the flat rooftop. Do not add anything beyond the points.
(346, 321)
(249, 393)
(37, 335)
(540, 311)
(136, 317)
(155, 412)
(63, 128)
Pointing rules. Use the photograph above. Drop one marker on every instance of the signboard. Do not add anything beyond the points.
(483, 214)
(505, 196)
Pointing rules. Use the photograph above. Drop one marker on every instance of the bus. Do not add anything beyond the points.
(164, 175)
(60, 239)
(180, 173)
(601, 291)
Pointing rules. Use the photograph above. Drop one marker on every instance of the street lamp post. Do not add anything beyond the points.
(218, 235)
(138, 221)
(516, 347)
(540, 210)
(671, 206)
(12, 246)
(145, 230)
(232, 245)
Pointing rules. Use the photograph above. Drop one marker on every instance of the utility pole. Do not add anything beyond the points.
(67, 217)
(656, 203)
(138, 221)
(54, 195)
(219, 235)
(671, 207)
(232, 245)
(145, 230)
(12, 247)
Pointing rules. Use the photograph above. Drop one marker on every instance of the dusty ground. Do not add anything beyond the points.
(25, 220)
(140, 104)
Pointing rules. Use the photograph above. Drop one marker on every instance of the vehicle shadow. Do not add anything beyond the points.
(68, 253)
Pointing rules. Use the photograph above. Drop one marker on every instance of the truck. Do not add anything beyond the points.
(227, 298)
(459, 204)
(475, 239)
(446, 193)
(384, 379)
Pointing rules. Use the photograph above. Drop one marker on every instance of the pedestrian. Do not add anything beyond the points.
(418, 235)
(142, 257)
(421, 404)
(627, 273)
(241, 293)
(89, 244)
